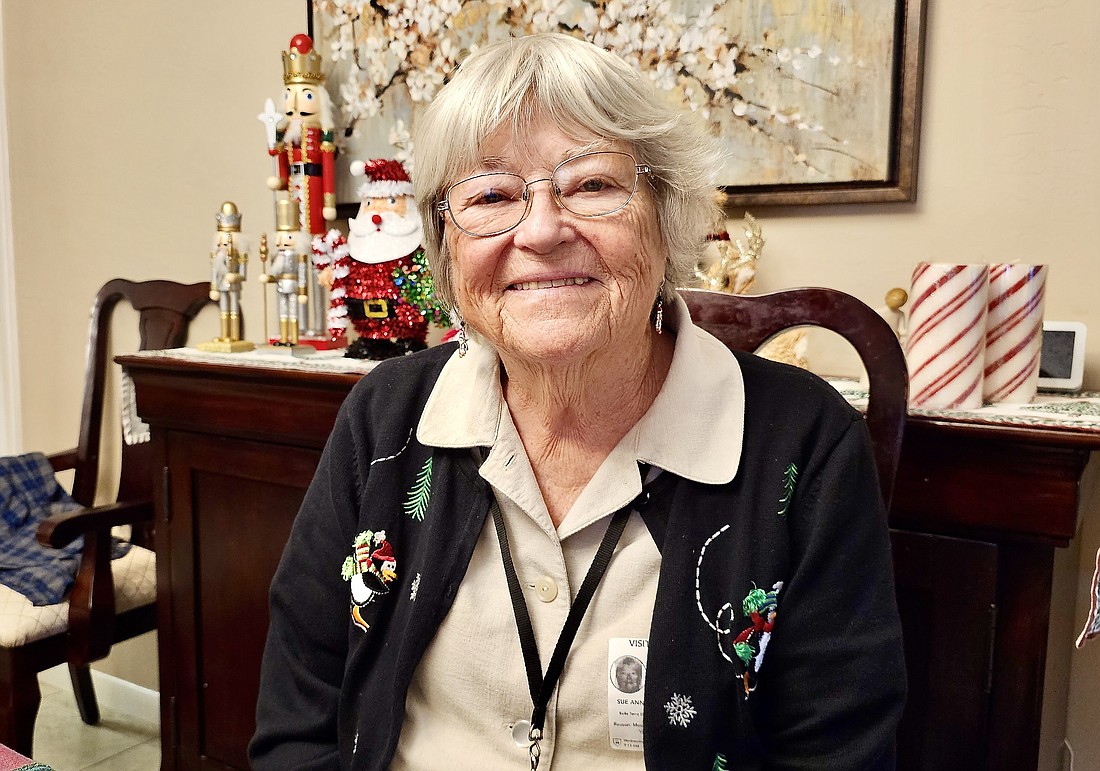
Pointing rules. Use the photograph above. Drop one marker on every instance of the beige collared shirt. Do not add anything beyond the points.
(470, 688)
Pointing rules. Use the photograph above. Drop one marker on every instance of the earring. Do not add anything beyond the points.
(660, 309)
(460, 335)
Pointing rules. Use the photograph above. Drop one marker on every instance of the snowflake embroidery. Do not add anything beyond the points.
(415, 588)
(680, 711)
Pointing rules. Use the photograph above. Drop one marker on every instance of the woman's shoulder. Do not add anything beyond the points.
(775, 386)
(400, 382)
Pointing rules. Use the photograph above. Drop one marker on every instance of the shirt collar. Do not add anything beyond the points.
(694, 428)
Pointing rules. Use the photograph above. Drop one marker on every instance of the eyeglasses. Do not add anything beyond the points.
(589, 185)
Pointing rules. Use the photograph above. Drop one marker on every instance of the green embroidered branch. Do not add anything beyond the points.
(790, 476)
(720, 763)
(417, 504)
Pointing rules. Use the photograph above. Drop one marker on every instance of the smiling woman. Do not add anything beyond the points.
(563, 202)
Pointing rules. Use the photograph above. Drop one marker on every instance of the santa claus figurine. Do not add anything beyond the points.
(379, 276)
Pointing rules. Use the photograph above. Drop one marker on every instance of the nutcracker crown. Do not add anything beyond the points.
(286, 216)
(229, 218)
(302, 64)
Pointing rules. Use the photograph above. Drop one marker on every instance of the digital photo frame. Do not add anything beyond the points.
(1062, 360)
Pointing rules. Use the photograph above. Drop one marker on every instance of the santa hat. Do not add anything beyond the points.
(383, 553)
(385, 178)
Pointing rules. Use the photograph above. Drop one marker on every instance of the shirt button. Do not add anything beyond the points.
(546, 589)
(521, 732)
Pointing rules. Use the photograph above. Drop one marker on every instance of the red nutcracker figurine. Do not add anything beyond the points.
(302, 141)
(379, 277)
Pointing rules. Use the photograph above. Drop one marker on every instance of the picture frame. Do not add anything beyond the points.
(822, 113)
(1062, 357)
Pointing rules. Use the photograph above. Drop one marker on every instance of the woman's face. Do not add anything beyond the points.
(609, 268)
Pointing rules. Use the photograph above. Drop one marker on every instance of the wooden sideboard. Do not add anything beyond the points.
(978, 511)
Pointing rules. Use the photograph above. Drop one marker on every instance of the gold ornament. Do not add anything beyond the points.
(734, 271)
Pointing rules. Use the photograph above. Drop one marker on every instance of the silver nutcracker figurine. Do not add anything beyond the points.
(228, 270)
(289, 271)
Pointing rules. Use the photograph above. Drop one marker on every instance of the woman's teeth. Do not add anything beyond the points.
(550, 284)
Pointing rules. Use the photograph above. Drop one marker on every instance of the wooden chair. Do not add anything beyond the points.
(745, 322)
(110, 601)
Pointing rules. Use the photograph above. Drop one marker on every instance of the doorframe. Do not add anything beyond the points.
(11, 422)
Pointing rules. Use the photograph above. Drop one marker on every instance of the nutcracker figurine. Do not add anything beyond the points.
(289, 270)
(379, 276)
(228, 270)
(301, 142)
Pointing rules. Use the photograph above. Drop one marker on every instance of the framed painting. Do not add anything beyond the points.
(814, 103)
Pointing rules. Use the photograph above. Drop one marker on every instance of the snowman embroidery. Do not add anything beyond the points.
(370, 570)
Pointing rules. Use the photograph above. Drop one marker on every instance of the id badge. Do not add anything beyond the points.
(626, 673)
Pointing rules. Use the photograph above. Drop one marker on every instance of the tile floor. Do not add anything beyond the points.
(120, 742)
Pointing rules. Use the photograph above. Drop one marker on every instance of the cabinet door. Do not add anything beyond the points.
(946, 589)
(233, 503)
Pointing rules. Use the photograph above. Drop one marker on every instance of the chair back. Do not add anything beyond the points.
(745, 322)
(165, 310)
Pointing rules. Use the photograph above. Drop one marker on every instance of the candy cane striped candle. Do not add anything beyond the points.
(947, 335)
(1014, 332)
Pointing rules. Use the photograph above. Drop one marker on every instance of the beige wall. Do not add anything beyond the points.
(131, 122)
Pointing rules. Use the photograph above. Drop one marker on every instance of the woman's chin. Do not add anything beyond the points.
(552, 341)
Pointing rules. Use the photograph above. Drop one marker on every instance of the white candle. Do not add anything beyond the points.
(946, 338)
(1014, 332)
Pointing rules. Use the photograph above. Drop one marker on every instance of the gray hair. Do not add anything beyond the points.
(580, 88)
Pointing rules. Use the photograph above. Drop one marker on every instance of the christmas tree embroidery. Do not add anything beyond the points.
(416, 506)
(790, 476)
(720, 763)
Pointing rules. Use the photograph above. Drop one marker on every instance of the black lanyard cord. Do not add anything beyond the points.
(527, 641)
(542, 687)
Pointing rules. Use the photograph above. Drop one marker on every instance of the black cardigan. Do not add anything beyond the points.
(804, 510)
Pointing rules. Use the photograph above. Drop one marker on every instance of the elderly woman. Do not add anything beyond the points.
(585, 480)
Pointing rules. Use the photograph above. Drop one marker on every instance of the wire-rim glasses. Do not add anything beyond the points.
(592, 184)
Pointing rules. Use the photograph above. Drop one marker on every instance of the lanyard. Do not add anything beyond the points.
(542, 687)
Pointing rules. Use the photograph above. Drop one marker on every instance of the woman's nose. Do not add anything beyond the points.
(544, 226)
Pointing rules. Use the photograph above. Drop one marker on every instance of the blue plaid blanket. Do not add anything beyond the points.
(29, 493)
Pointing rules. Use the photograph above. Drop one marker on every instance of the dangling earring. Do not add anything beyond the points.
(460, 335)
(660, 310)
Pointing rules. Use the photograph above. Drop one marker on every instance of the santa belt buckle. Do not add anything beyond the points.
(376, 309)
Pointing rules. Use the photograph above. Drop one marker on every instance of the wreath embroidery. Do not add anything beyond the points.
(760, 608)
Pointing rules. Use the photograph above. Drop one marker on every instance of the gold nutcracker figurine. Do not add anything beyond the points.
(228, 270)
(289, 270)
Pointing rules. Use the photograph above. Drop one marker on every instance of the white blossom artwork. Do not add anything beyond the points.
(800, 93)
